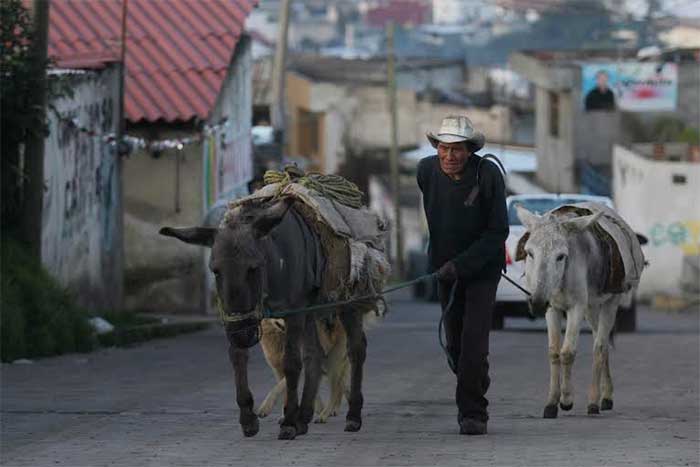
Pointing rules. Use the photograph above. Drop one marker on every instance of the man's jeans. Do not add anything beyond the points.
(467, 326)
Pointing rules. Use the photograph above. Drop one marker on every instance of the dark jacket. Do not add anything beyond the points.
(473, 235)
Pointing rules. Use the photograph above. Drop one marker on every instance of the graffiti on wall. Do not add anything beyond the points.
(81, 202)
(227, 157)
(682, 234)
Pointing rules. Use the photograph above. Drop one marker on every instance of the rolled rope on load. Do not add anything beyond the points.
(331, 186)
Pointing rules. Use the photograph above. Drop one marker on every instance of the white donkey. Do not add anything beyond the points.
(566, 267)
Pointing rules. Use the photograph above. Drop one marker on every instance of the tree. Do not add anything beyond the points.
(23, 87)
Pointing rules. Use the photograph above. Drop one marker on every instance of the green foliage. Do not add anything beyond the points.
(20, 77)
(18, 119)
(39, 317)
(673, 130)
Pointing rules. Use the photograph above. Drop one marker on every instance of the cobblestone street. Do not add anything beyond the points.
(171, 402)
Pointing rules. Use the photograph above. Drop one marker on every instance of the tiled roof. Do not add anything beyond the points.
(177, 51)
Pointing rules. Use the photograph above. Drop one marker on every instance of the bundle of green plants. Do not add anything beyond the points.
(38, 316)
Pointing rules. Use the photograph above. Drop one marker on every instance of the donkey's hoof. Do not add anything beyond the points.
(593, 409)
(606, 404)
(353, 425)
(251, 429)
(550, 411)
(566, 407)
(287, 432)
(302, 428)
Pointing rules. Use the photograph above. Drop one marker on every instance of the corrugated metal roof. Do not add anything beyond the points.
(177, 51)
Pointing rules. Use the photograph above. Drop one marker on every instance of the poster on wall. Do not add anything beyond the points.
(629, 86)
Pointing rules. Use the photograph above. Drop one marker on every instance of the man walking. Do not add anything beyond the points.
(464, 202)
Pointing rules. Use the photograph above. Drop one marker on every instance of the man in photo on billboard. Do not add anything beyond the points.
(600, 97)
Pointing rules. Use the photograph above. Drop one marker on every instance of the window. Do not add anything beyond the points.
(553, 114)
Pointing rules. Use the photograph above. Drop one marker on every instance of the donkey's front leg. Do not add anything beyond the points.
(357, 352)
(554, 346)
(244, 398)
(312, 375)
(292, 370)
(568, 355)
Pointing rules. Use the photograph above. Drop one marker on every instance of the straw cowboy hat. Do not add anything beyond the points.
(457, 129)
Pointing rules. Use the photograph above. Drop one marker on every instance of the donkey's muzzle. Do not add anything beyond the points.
(243, 334)
(538, 307)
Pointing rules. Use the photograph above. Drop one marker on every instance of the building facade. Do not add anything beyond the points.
(659, 198)
(81, 237)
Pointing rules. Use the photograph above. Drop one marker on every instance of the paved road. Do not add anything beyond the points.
(170, 402)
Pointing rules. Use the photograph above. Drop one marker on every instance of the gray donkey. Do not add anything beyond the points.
(566, 267)
(269, 256)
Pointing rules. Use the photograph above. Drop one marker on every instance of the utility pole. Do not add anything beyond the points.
(278, 73)
(121, 125)
(122, 149)
(33, 192)
(394, 153)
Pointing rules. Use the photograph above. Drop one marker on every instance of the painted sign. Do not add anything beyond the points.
(682, 234)
(629, 86)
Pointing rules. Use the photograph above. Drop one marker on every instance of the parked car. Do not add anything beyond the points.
(510, 301)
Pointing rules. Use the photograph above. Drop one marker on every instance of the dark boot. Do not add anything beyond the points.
(472, 426)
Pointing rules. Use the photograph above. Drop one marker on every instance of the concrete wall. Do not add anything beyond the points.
(81, 220)
(689, 94)
(667, 212)
(232, 142)
(555, 155)
(371, 125)
(595, 135)
(159, 268)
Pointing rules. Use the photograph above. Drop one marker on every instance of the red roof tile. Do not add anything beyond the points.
(177, 51)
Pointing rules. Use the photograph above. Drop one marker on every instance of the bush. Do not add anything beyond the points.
(39, 317)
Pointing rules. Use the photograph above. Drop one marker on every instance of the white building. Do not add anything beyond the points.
(659, 199)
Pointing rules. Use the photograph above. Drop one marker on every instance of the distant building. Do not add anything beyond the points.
(574, 146)
(333, 104)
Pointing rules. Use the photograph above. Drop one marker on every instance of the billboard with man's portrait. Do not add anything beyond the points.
(629, 86)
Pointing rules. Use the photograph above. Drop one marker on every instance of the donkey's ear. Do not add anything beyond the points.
(529, 219)
(270, 217)
(195, 235)
(579, 224)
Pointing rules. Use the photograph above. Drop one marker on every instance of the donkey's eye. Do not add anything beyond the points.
(529, 253)
(561, 257)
